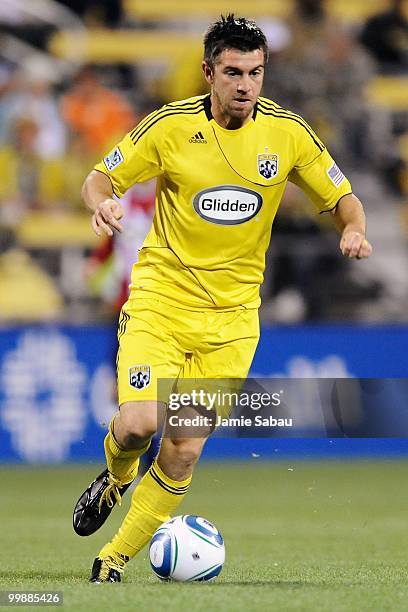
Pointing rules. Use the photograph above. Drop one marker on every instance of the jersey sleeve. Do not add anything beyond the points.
(317, 174)
(136, 158)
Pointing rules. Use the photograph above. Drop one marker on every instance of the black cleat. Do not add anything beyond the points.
(96, 503)
(103, 572)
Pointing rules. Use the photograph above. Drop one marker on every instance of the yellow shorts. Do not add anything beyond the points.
(161, 341)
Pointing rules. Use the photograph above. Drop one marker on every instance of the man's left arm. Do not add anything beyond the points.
(318, 175)
(350, 220)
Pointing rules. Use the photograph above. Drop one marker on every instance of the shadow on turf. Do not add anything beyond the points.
(273, 583)
(238, 583)
(62, 576)
(33, 574)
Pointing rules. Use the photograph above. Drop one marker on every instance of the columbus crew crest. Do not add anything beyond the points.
(268, 165)
(139, 376)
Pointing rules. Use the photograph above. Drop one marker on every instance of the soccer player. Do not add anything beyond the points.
(193, 305)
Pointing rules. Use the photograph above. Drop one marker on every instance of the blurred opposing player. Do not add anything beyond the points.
(222, 162)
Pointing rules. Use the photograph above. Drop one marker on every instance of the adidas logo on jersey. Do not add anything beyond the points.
(199, 138)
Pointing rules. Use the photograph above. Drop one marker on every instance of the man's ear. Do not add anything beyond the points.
(208, 73)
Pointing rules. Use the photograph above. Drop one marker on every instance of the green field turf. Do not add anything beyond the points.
(299, 536)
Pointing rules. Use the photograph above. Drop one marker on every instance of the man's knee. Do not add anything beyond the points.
(136, 423)
(186, 451)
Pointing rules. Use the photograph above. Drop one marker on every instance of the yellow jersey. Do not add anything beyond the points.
(218, 191)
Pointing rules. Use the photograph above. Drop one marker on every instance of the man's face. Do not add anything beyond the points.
(236, 81)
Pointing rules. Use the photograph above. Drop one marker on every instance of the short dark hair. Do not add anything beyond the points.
(232, 32)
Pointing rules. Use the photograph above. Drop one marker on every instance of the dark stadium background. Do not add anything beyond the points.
(74, 76)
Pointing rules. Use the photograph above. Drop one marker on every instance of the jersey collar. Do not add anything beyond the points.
(207, 108)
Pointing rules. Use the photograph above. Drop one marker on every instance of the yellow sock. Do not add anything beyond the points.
(153, 501)
(123, 464)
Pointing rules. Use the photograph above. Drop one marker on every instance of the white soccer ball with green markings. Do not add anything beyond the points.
(187, 548)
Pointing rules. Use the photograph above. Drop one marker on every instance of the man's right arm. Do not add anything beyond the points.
(106, 212)
(135, 159)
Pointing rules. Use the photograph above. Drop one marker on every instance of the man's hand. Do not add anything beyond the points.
(106, 217)
(354, 245)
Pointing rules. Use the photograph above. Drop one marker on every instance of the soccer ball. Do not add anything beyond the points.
(186, 549)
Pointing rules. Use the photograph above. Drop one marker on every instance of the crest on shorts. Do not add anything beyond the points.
(139, 376)
(268, 165)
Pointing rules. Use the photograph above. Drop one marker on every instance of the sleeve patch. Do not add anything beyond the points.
(335, 175)
(113, 160)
